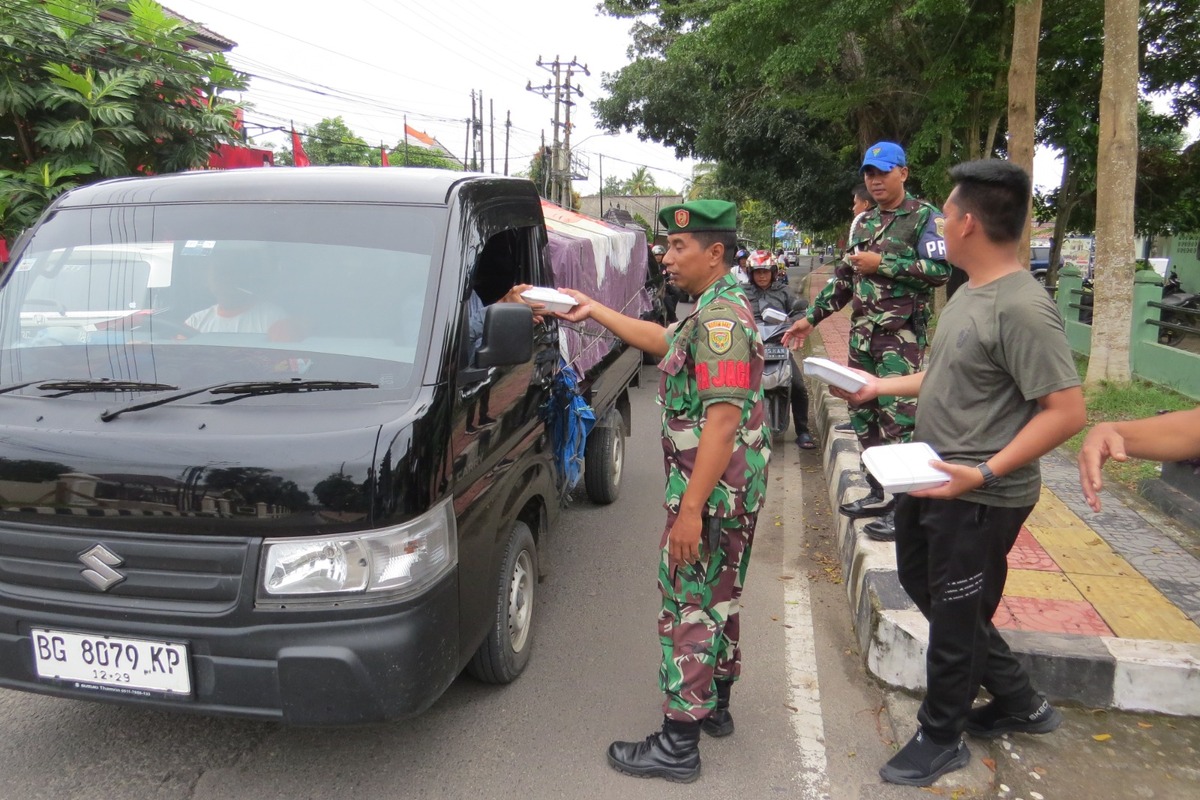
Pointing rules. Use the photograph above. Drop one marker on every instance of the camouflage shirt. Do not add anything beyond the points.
(914, 263)
(716, 356)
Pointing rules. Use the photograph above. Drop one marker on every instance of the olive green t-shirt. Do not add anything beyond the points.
(998, 348)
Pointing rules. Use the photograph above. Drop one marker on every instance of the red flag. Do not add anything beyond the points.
(299, 157)
(383, 158)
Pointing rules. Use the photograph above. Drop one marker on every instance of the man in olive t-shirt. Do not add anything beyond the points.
(1001, 390)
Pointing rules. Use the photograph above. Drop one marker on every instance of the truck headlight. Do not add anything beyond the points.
(400, 560)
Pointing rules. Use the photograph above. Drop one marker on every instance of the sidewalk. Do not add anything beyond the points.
(1104, 608)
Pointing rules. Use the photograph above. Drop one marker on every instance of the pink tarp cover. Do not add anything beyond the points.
(605, 262)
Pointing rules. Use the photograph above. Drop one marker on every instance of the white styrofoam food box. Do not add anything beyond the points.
(551, 299)
(774, 315)
(833, 373)
(904, 467)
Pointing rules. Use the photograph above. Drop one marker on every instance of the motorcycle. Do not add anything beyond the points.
(777, 371)
(1180, 303)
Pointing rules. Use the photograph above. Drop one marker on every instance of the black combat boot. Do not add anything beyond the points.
(872, 505)
(720, 722)
(672, 753)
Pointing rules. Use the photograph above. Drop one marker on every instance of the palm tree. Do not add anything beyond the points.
(703, 182)
(641, 182)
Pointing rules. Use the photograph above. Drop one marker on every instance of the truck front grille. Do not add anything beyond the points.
(201, 573)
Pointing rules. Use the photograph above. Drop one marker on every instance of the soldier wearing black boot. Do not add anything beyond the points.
(895, 258)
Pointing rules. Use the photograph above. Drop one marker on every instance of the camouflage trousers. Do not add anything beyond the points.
(699, 623)
(887, 419)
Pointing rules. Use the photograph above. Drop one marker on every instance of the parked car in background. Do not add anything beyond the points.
(1039, 261)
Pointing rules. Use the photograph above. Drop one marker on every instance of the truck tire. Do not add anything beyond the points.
(603, 460)
(504, 653)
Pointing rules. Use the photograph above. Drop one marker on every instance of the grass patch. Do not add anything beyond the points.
(1113, 402)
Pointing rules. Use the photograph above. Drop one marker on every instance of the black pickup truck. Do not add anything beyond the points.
(270, 445)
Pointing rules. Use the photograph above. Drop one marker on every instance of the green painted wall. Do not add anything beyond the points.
(1151, 361)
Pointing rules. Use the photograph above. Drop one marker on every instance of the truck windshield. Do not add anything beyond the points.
(196, 294)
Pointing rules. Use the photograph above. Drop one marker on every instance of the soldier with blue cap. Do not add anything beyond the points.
(894, 261)
(715, 448)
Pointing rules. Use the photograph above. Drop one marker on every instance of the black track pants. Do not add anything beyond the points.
(952, 561)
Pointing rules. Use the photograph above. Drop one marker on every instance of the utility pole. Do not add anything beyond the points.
(406, 140)
(477, 122)
(507, 130)
(467, 141)
(568, 168)
(492, 128)
(563, 91)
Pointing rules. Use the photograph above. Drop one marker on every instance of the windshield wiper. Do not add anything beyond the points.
(66, 387)
(244, 389)
(286, 387)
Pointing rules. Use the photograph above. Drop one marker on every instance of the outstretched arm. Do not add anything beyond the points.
(647, 336)
(1166, 437)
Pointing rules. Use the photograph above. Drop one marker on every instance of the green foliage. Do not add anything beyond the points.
(785, 94)
(420, 157)
(640, 183)
(85, 96)
(1069, 69)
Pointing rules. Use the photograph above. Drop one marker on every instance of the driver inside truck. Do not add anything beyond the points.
(238, 307)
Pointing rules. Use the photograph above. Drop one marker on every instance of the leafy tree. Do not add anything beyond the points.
(787, 108)
(415, 156)
(703, 183)
(614, 185)
(641, 183)
(81, 95)
(331, 142)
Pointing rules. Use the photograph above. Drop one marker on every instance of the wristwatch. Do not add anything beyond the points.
(990, 478)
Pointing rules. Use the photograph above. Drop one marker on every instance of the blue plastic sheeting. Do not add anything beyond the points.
(569, 419)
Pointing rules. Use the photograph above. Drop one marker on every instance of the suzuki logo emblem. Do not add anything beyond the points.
(100, 562)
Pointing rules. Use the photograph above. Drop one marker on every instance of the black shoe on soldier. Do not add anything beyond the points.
(882, 529)
(922, 761)
(720, 722)
(717, 724)
(990, 721)
(673, 753)
(872, 505)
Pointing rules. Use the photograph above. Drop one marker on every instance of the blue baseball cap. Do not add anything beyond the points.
(884, 156)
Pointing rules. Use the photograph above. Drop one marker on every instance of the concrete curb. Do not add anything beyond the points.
(1095, 672)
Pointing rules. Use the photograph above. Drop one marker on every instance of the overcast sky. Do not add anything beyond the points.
(375, 60)
(372, 61)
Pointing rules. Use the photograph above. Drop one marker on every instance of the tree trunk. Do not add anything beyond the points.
(1065, 205)
(1022, 99)
(1116, 174)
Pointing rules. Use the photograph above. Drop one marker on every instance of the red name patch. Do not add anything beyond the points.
(730, 375)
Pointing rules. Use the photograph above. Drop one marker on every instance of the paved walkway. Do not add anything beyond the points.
(1106, 606)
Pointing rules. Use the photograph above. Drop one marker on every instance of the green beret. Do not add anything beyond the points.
(699, 215)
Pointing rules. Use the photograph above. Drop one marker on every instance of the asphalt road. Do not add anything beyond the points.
(810, 724)
(592, 679)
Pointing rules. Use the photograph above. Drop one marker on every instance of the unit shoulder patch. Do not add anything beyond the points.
(720, 335)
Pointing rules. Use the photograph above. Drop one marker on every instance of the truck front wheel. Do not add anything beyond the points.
(603, 460)
(505, 652)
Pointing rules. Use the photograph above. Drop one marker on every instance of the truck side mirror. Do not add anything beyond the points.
(507, 336)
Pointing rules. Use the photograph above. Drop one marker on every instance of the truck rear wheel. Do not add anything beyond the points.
(505, 652)
(603, 460)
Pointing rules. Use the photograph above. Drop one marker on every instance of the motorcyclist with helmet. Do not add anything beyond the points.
(741, 267)
(764, 291)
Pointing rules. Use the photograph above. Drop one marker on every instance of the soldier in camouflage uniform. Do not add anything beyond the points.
(895, 259)
(711, 384)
